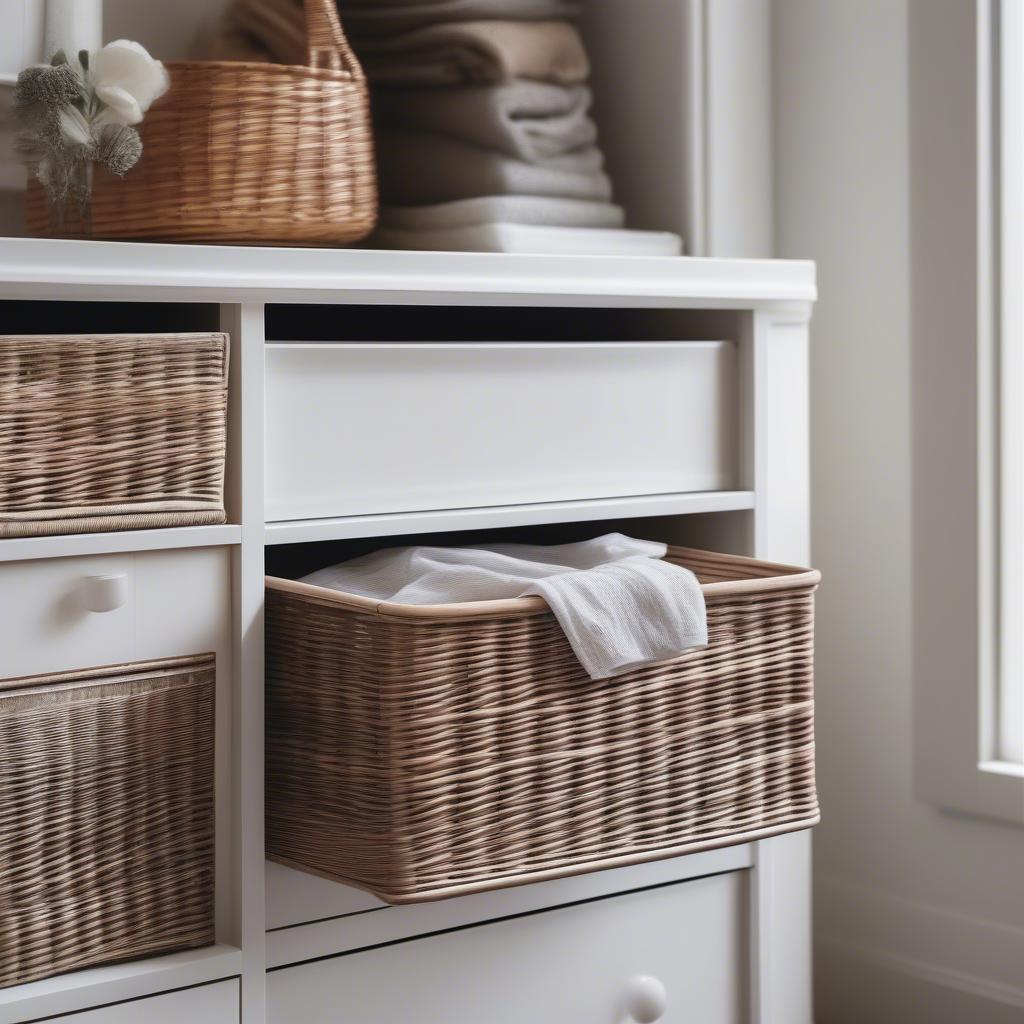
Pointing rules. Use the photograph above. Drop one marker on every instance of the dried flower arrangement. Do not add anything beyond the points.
(76, 112)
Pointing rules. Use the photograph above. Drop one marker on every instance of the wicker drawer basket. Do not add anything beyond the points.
(106, 815)
(426, 752)
(111, 432)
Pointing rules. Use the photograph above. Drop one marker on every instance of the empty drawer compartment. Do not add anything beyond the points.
(363, 428)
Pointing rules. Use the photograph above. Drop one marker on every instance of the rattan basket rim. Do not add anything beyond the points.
(249, 67)
(777, 576)
(110, 673)
(127, 337)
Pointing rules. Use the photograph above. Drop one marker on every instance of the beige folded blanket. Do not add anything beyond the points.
(388, 17)
(260, 30)
(417, 169)
(533, 121)
(459, 53)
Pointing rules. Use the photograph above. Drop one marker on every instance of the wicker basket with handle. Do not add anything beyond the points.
(106, 815)
(426, 752)
(245, 152)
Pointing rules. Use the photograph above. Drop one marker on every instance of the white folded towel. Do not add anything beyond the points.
(620, 605)
(527, 238)
(536, 211)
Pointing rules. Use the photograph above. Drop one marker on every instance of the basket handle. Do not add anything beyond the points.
(328, 47)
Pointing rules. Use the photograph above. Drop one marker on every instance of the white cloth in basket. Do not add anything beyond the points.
(620, 605)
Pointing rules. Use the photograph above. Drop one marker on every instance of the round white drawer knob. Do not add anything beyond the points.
(646, 999)
(105, 593)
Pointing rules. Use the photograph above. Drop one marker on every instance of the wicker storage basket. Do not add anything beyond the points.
(426, 752)
(245, 152)
(106, 815)
(114, 432)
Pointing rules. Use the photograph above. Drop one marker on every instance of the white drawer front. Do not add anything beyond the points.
(568, 966)
(68, 613)
(358, 429)
(205, 1004)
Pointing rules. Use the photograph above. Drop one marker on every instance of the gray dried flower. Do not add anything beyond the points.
(68, 117)
(49, 86)
(119, 148)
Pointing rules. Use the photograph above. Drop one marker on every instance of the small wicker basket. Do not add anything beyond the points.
(111, 432)
(426, 752)
(244, 152)
(106, 816)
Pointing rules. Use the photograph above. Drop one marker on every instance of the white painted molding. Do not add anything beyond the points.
(20, 549)
(246, 915)
(1001, 458)
(72, 25)
(38, 268)
(927, 988)
(954, 950)
(21, 39)
(80, 990)
(737, 121)
(499, 516)
(957, 764)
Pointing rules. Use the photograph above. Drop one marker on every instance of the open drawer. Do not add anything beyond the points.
(363, 428)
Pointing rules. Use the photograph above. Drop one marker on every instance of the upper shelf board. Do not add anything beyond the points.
(44, 268)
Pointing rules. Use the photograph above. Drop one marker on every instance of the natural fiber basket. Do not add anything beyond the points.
(106, 816)
(111, 432)
(245, 152)
(426, 752)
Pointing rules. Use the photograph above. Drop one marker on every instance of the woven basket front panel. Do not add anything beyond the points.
(420, 759)
(252, 153)
(106, 816)
(111, 432)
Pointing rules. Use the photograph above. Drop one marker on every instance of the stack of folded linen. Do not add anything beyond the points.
(485, 141)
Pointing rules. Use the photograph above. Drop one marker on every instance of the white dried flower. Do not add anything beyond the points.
(74, 127)
(127, 79)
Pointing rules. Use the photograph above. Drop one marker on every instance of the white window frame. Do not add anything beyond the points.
(969, 714)
(1003, 724)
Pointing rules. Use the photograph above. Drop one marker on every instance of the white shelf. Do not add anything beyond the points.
(302, 531)
(18, 549)
(96, 986)
(376, 922)
(46, 268)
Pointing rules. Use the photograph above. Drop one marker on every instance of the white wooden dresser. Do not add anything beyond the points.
(353, 377)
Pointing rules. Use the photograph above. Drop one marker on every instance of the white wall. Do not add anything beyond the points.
(168, 29)
(688, 142)
(919, 914)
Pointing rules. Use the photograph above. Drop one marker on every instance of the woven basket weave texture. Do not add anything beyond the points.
(244, 152)
(106, 816)
(420, 753)
(111, 432)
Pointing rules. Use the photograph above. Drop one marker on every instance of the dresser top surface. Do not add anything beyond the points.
(40, 268)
